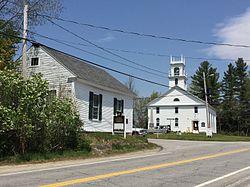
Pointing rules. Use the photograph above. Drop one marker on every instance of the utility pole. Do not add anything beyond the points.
(24, 48)
(208, 131)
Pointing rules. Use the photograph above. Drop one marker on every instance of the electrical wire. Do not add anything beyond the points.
(94, 54)
(92, 63)
(146, 35)
(103, 49)
(142, 53)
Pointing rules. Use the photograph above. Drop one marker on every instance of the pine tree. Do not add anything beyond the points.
(247, 96)
(212, 77)
(241, 74)
(229, 103)
(241, 90)
(235, 98)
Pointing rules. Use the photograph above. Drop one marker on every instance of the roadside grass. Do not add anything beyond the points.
(199, 137)
(106, 143)
(91, 145)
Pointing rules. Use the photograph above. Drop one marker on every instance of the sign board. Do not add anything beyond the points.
(119, 122)
(209, 132)
(118, 119)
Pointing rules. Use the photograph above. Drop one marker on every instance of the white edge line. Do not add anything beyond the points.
(222, 177)
(76, 165)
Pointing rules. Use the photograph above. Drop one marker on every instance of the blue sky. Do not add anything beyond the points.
(207, 20)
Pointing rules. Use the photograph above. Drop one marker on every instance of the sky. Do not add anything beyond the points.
(224, 21)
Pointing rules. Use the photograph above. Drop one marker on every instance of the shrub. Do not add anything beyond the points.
(30, 120)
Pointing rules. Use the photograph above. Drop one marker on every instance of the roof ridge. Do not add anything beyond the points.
(86, 70)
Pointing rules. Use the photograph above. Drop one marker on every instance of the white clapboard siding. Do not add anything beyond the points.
(58, 77)
(52, 71)
(185, 115)
(106, 124)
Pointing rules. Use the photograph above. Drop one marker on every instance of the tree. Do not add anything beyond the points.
(212, 77)
(234, 110)
(131, 85)
(30, 120)
(12, 10)
(8, 45)
(241, 90)
(141, 111)
(229, 103)
(241, 75)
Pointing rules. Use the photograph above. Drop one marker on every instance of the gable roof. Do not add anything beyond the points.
(87, 72)
(184, 92)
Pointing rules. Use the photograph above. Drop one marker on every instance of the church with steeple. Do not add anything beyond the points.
(178, 110)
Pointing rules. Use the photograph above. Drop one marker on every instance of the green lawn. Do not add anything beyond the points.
(199, 137)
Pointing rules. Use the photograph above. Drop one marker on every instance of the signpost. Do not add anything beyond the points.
(119, 124)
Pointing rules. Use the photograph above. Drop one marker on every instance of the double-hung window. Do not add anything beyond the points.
(157, 122)
(118, 106)
(196, 109)
(157, 110)
(95, 106)
(176, 122)
(176, 109)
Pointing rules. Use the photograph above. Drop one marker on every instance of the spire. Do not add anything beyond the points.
(177, 75)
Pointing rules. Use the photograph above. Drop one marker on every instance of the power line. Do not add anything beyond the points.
(101, 66)
(111, 69)
(93, 63)
(147, 35)
(103, 49)
(63, 42)
(140, 52)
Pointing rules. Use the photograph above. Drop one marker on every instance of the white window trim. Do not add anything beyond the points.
(34, 65)
(98, 103)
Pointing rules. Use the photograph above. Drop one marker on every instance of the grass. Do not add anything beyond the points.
(200, 137)
(100, 144)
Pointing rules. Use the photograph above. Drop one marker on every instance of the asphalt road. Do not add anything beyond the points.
(179, 163)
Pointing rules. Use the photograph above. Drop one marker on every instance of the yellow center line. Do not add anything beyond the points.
(88, 179)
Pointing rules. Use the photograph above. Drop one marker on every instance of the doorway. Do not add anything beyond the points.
(196, 125)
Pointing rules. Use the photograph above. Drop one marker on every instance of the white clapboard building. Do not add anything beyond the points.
(97, 95)
(178, 109)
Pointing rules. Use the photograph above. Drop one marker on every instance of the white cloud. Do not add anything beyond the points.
(235, 31)
(107, 38)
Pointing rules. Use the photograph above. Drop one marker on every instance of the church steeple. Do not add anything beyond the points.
(177, 75)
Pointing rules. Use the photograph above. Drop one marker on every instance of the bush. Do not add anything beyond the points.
(30, 120)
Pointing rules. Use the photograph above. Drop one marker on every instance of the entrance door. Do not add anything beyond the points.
(196, 125)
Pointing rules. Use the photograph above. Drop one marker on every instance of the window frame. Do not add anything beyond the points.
(157, 122)
(176, 122)
(157, 110)
(203, 124)
(176, 99)
(176, 71)
(176, 110)
(95, 106)
(118, 106)
(176, 81)
(196, 110)
(34, 65)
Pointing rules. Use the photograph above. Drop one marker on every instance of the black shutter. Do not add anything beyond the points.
(122, 103)
(115, 105)
(100, 107)
(90, 105)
